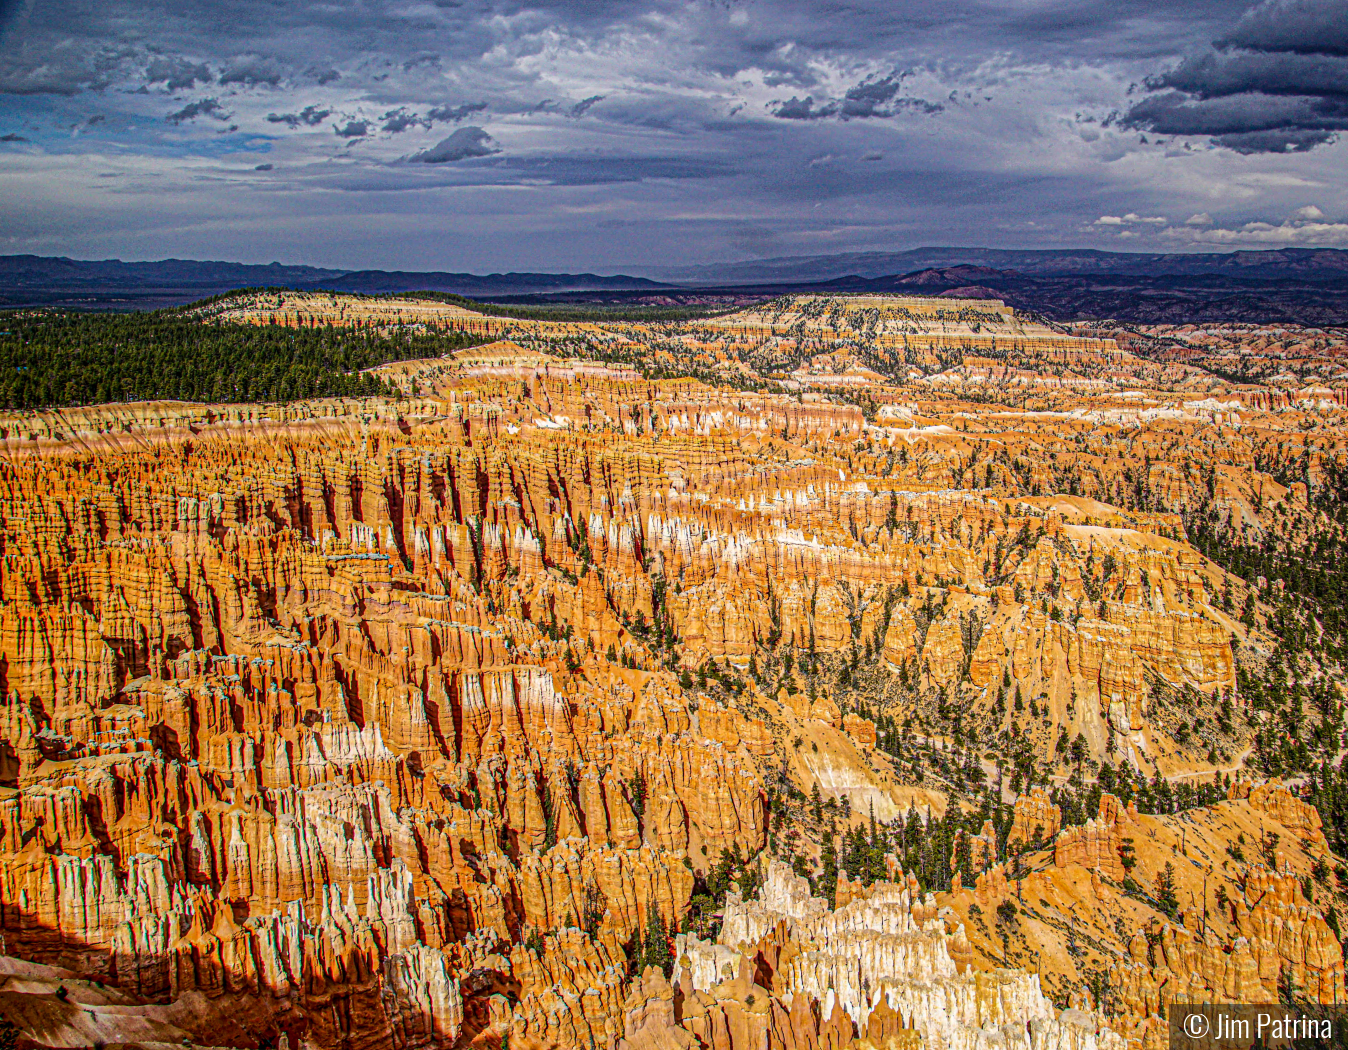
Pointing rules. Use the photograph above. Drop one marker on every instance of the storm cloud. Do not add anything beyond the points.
(529, 133)
(1277, 82)
(1312, 27)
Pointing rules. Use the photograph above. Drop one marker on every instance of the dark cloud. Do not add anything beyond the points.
(353, 129)
(454, 114)
(400, 119)
(870, 98)
(58, 41)
(1247, 123)
(602, 171)
(252, 70)
(416, 174)
(309, 116)
(1276, 140)
(63, 75)
(1276, 83)
(1217, 74)
(206, 107)
(802, 109)
(263, 167)
(562, 170)
(466, 142)
(1311, 27)
(875, 97)
(12, 136)
(583, 106)
(178, 74)
(922, 105)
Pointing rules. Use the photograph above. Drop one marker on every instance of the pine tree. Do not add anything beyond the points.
(828, 878)
(1165, 890)
(655, 949)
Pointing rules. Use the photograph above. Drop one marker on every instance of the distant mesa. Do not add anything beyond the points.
(955, 274)
(37, 280)
(1315, 263)
(384, 281)
(969, 291)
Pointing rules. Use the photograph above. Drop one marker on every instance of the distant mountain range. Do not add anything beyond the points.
(1305, 263)
(111, 283)
(1164, 298)
(495, 284)
(1319, 298)
(1287, 285)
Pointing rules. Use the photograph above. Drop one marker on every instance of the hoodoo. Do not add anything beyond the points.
(842, 672)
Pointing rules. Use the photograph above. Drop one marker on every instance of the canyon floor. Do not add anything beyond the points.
(842, 671)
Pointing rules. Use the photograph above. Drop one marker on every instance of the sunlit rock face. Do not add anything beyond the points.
(284, 720)
(887, 966)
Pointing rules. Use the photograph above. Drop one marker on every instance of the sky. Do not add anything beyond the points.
(643, 135)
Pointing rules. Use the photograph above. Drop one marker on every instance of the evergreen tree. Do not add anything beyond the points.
(655, 949)
(828, 878)
(51, 359)
(1165, 890)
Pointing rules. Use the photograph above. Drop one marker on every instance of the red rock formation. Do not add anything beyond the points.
(1284, 807)
(861, 730)
(1097, 843)
(313, 701)
(982, 848)
(369, 711)
(1037, 819)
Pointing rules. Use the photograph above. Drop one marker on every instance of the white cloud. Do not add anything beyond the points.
(1131, 218)
(1310, 211)
(1202, 218)
(1319, 234)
